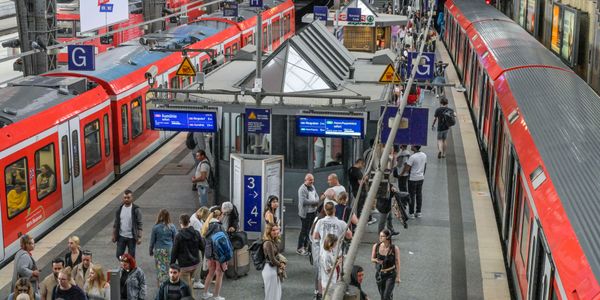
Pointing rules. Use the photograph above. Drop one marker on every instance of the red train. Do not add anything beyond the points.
(64, 136)
(68, 24)
(537, 125)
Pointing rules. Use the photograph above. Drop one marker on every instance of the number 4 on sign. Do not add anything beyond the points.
(254, 211)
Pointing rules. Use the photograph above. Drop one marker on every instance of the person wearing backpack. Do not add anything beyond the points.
(186, 248)
(215, 252)
(445, 118)
(274, 268)
(202, 176)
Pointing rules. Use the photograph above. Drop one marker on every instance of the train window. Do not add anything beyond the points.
(524, 241)
(45, 168)
(250, 39)
(17, 195)
(136, 117)
(265, 37)
(64, 145)
(125, 124)
(234, 49)
(106, 136)
(92, 144)
(64, 29)
(286, 24)
(275, 31)
(75, 145)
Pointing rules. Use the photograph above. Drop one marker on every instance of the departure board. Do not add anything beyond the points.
(330, 126)
(180, 120)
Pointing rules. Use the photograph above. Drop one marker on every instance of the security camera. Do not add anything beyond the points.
(150, 74)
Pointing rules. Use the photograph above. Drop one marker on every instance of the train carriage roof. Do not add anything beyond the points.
(562, 117)
(475, 11)
(512, 46)
(27, 96)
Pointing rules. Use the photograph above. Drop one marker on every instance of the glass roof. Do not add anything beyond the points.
(300, 76)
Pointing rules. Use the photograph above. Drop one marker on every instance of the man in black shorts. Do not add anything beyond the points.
(442, 125)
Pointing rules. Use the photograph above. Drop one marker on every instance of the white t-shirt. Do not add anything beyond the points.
(329, 225)
(327, 262)
(203, 166)
(338, 189)
(417, 163)
(126, 222)
(196, 223)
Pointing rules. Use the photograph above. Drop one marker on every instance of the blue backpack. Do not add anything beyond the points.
(221, 246)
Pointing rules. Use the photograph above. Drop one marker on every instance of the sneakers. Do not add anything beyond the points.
(301, 251)
(372, 221)
(218, 298)
(198, 285)
(395, 232)
(419, 215)
(411, 216)
(439, 155)
(206, 295)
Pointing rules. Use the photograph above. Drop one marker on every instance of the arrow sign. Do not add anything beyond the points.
(252, 203)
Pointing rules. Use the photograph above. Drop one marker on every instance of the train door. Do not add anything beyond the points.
(70, 163)
(511, 197)
(541, 268)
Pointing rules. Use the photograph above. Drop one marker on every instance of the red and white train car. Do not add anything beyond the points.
(537, 124)
(66, 135)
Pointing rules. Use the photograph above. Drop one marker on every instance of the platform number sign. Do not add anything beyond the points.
(81, 57)
(425, 67)
(252, 203)
(256, 3)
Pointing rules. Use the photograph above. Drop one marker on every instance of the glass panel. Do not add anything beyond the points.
(124, 124)
(522, 8)
(136, 117)
(64, 145)
(92, 144)
(17, 195)
(525, 232)
(275, 31)
(300, 76)
(531, 11)
(75, 145)
(327, 152)
(64, 29)
(265, 38)
(568, 35)
(45, 168)
(286, 24)
(556, 29)
(106, 136)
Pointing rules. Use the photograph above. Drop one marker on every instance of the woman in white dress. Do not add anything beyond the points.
(275, 266)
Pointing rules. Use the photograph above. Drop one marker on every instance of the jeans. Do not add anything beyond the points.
(123, 242)
(402, 183)
(203, 195)
(386, 285)
(385, 221)
(415, 189)
(304, 232)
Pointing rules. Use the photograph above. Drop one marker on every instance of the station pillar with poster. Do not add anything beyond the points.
(254, 178)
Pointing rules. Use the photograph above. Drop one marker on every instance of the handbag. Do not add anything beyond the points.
(238, 239)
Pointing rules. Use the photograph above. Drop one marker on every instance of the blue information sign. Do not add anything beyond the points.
(424, 71)
(321, 13)
(252, 203)
(203, 121)
(354, 14)
(106, 8)
(330, 126)
(256, 3)
(258, 120)
(81, 57)
(230, 9)
(413, 126)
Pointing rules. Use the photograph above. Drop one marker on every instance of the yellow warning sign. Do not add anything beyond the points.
(186, 68)
(389, 75)
(252, 116)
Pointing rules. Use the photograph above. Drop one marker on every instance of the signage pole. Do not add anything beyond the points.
(258, 78)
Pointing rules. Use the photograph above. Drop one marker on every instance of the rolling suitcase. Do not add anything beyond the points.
(239, 265)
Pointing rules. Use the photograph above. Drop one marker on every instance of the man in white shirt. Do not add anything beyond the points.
(334, 183)
(416, 165)
(127, 228)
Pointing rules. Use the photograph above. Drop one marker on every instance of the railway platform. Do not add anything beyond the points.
(451, 252)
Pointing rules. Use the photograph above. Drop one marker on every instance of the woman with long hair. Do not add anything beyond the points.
(275, 266)
(23, 286)
(161, 243)
(271, 210)
(216, 269)
(386, 257)
(73, 257)
(133, 280)
(96, 287)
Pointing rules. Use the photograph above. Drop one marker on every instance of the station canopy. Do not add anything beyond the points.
(312, 60)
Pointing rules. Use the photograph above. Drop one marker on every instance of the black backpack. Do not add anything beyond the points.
(258, 255)
(190, 143)
(448, 117)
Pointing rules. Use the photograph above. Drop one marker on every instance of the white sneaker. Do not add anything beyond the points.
(418, 215)
(373, 221)
(218, 298)
(206, 295)
(198, 285)
(411, 216)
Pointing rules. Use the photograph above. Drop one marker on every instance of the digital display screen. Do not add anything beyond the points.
(179, 120)
(330, 126)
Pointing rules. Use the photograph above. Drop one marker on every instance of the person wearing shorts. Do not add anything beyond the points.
(442, 127)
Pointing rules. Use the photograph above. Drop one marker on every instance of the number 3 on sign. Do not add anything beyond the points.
(251, 183)
(254, 211)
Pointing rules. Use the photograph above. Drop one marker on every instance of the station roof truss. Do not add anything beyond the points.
(313, 60)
